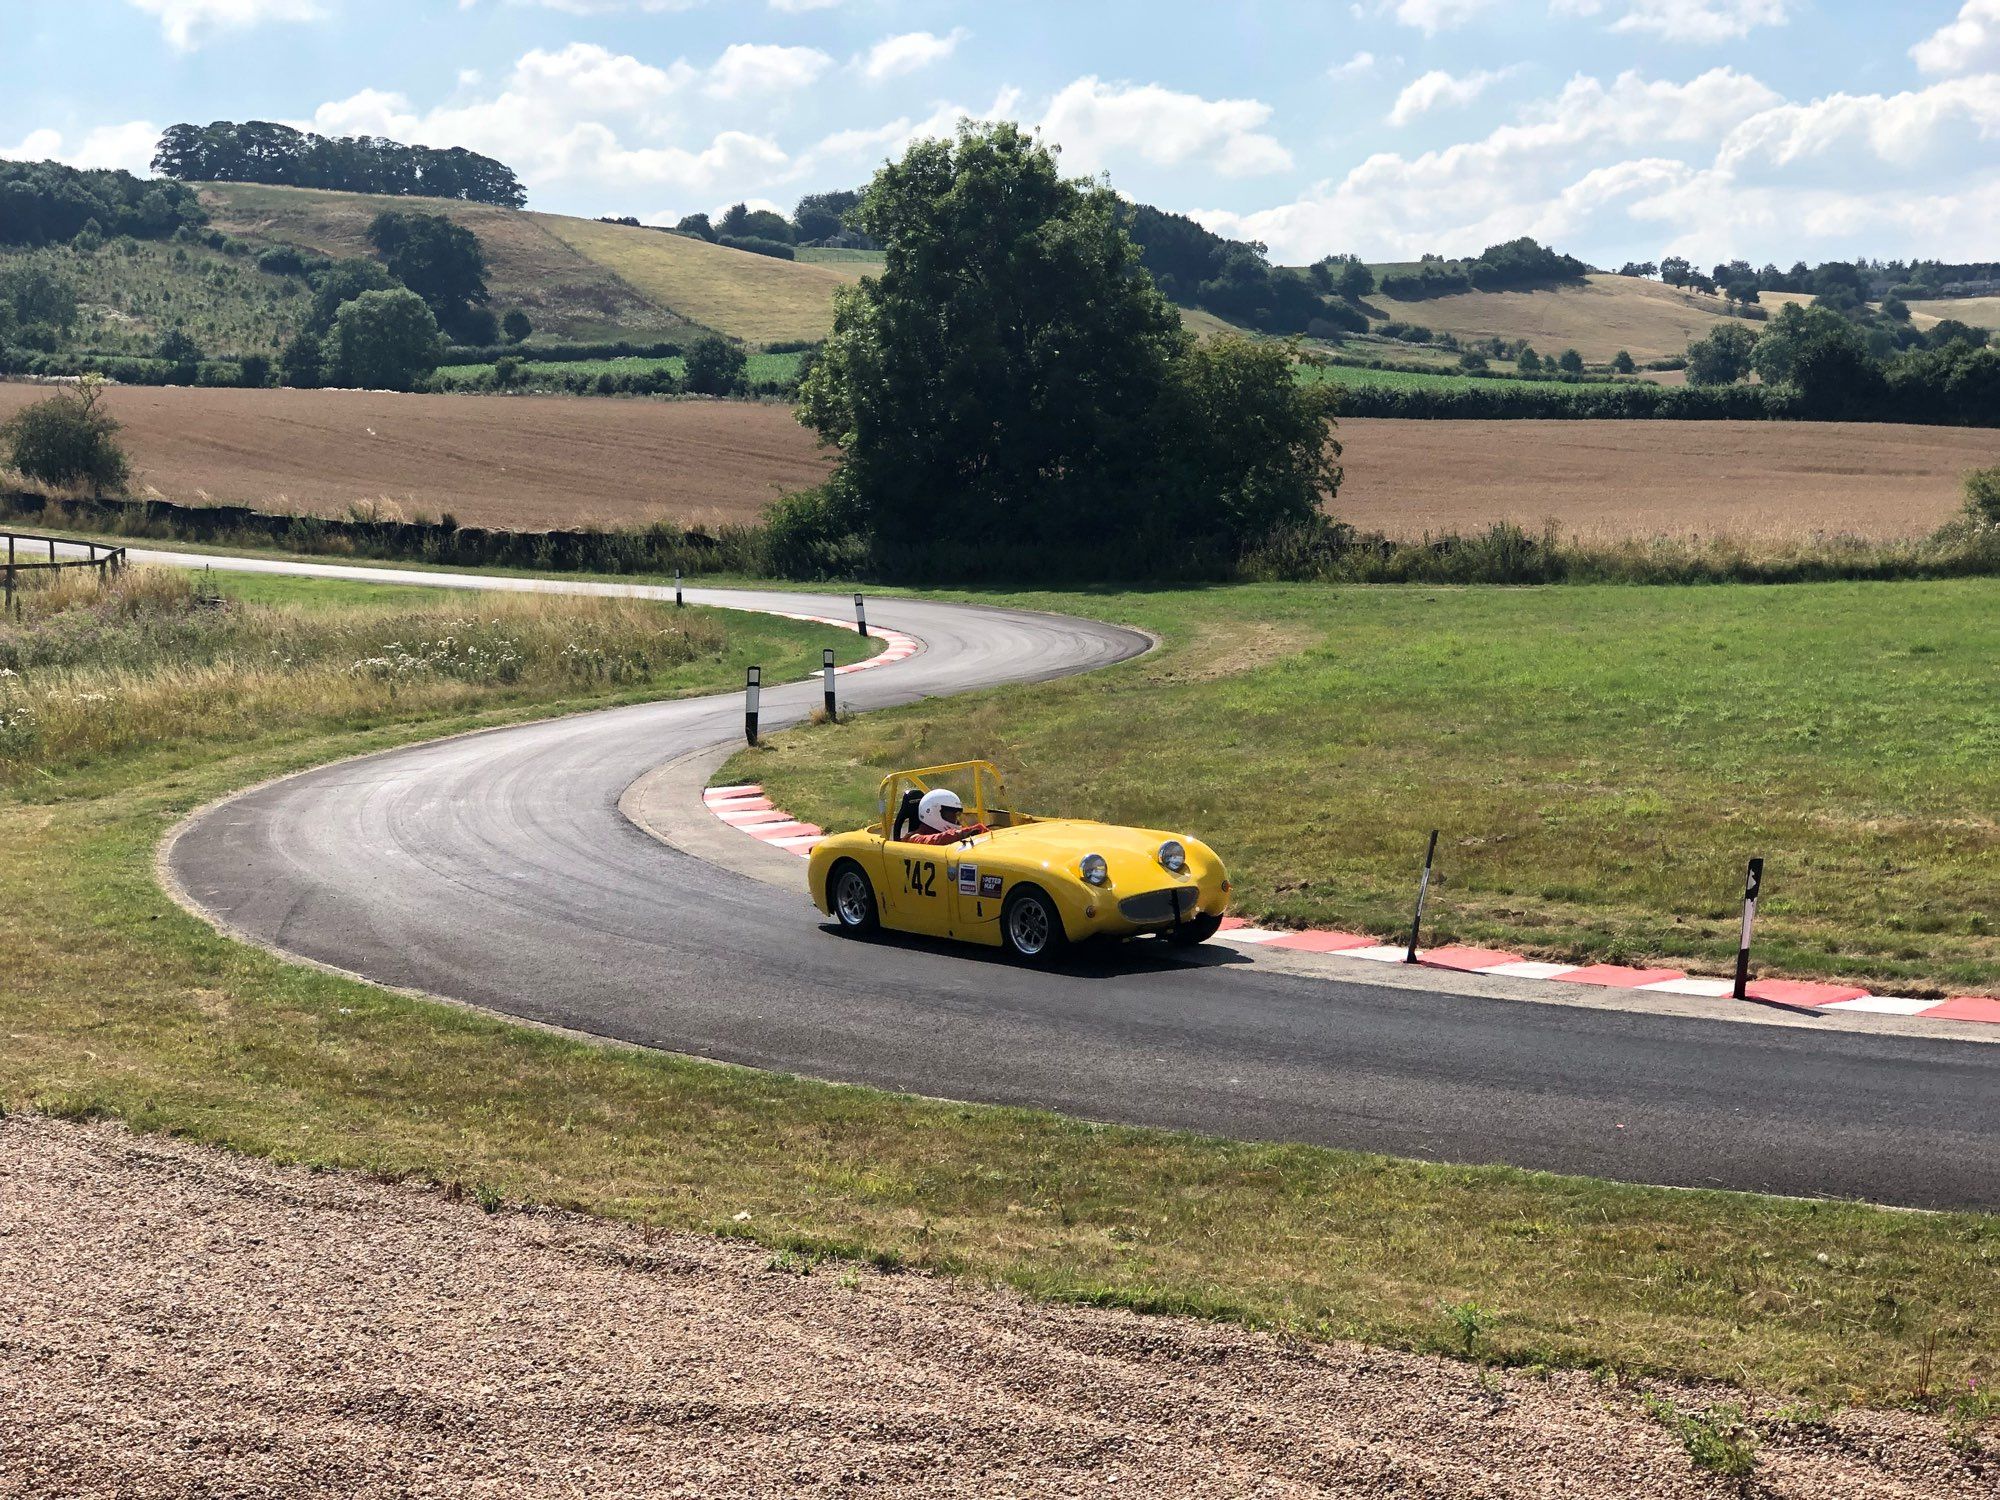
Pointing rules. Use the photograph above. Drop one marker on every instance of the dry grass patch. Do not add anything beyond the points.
(756, 298)
(1648, 319)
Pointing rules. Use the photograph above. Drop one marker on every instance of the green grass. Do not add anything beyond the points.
(760, 368)
(130, 293)
(117, 1003)
(1601, 760)
(817, 255)
(1310, 374)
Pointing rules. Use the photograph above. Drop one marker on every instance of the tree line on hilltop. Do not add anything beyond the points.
(260, 151)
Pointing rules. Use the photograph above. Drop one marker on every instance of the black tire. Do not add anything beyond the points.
(850, 896)
(1031, 926)
(1200, 930)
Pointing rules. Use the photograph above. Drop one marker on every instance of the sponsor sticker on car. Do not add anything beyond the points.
(989, 885)
(968, 880)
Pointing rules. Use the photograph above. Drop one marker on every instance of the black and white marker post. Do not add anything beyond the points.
(678, 601)
(1423, 890)
(1753, 883)
(753, 687)
(826, 677)
(860, 615)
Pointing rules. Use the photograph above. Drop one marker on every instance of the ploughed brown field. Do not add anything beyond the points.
(1606, 480)
(534, 462)
(528, 462)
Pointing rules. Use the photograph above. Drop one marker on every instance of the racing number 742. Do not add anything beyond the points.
(920, 877)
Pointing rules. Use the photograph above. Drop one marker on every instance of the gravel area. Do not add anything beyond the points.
(179, 1321)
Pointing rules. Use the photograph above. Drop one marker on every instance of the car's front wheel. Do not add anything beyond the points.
(851, 895)
(1200, 930)
(1031, 927)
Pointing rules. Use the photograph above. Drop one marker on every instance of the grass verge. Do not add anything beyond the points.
(117, 1003)
(1601, 760)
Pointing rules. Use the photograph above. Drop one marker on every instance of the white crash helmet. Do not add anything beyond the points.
(940, 810)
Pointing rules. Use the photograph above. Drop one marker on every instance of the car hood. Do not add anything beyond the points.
(1131, 853)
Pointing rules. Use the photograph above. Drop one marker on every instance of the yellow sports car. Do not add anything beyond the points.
(946, 859)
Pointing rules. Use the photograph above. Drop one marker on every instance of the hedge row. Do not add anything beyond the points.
(657, 549)
(542, 354)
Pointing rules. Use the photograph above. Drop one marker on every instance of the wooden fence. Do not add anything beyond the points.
(107, 560)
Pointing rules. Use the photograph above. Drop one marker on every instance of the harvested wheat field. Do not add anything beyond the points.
(527, 462)
(1605, 480)
(180, 1322)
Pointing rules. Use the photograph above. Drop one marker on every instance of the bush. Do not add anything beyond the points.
(253, 370)
(758, 245)
(182, 354)
(814, 535)
(516, 327)
(1622, 363)
(281, 260)
(715, 366)
(302, 362)
(68, 440)
(1982, 496)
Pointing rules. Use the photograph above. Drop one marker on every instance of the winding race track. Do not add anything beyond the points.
(497, 869)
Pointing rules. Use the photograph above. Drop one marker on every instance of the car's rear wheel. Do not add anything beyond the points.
(851, 895)
(1031, 927)
(1200, 930)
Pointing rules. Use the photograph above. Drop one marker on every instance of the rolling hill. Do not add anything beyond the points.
(1648, 319)
(575, 278)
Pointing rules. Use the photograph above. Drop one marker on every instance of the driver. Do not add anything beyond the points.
(938, 818)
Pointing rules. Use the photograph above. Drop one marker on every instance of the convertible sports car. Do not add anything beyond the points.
(1031, 885)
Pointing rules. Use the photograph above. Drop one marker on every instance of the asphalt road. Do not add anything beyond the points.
(497, 869)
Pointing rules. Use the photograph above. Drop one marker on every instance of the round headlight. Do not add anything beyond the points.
(1173, 856)
(1095, 870)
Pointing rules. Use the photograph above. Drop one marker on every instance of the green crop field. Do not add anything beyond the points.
(1416, 379)
(1601, 761)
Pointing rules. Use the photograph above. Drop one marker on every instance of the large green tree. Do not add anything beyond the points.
(1013, 395)
(1723, 357)
(385, 341)
(440, 261)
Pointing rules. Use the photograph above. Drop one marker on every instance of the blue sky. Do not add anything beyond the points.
(1771, 129)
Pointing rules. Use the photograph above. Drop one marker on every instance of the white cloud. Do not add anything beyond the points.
(580, 117)
(128, 147)
(1096, 123)
(1714, 167)
(1361, 62)
(746, 69)
(1970, 44)
(1510, 182)
(187, 23)
(1432, 16)
(1704, 21)
(1910, 131)
(1439, 89)
(873, 144)
(797, 7)
(896, 55)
